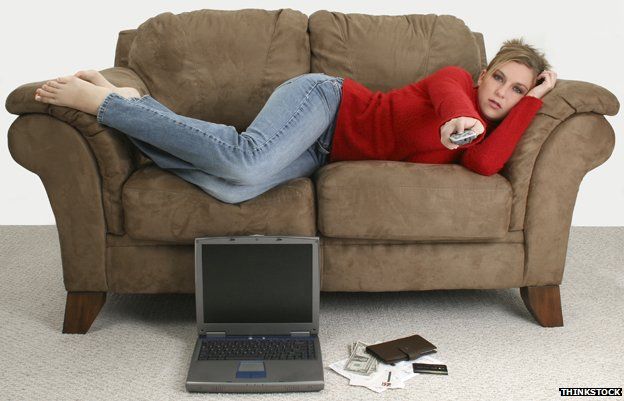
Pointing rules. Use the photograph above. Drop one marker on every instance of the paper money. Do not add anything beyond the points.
(360, 361)
(375, 361)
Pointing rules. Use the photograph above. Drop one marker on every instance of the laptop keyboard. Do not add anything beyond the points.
(257, 348)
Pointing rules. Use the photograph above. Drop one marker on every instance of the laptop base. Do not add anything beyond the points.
(255, 376)
(253, 387)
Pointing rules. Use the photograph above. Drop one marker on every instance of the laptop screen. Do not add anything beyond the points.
(256, 283)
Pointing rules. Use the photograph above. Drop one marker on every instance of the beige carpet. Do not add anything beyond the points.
(139, 346)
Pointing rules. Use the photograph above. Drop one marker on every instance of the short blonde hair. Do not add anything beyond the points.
(520, 52)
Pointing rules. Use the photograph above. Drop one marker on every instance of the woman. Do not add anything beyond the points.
(314, 118)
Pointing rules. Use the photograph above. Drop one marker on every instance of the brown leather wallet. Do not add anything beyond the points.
(402, 349)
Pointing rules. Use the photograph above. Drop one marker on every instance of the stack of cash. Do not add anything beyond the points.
(364, 369)
(360, 361)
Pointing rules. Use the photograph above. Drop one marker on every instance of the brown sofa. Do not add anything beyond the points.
(127, 226)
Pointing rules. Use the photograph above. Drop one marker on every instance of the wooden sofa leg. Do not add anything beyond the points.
(544, 303)
(81, 310)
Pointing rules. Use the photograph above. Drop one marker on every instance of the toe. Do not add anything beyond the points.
(84, 73)
(41, 97)
(67, 79)
(49, 88)
(54, 84)
(44, 92)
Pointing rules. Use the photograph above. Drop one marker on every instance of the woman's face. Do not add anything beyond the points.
(509, 83)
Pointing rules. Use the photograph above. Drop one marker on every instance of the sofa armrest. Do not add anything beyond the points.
(115, 155)
(580, 144)
(64, 162)
(567, 99)
(568, 137)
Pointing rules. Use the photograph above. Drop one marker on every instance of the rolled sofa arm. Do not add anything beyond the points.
(578, 145)
(567, 99)
(116, 157)
(62, 158)
(569, 137)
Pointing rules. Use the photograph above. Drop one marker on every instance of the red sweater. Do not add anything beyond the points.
(404, 124)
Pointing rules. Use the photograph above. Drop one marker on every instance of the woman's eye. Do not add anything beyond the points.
(519, 91)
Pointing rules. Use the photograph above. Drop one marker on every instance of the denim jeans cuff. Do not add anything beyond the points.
(102, 109)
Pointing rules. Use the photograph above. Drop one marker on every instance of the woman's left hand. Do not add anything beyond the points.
(550, 79)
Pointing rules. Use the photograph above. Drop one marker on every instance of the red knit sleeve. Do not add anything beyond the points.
(449, 90)
(490, 155)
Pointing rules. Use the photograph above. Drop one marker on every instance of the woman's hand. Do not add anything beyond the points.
(550, 79)
(459, 124)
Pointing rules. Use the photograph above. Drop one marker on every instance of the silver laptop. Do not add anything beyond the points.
(257, 300)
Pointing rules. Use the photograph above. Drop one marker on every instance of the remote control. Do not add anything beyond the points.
(429, 368)
(462, 138)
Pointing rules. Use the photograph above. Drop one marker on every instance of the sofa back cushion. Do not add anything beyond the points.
(384, 52)
(219, 65)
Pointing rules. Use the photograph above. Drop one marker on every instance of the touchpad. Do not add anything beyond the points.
(250, 369)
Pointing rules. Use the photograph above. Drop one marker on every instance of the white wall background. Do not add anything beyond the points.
(43, 40)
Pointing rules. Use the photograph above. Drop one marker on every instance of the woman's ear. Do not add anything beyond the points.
(481, 77)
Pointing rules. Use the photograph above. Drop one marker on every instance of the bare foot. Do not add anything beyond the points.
(71, 91)
(96, 78)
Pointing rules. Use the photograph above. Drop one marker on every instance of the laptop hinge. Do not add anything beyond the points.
(215, 333)
(300, 333)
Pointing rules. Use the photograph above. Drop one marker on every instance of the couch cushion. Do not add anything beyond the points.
(159, 205)
(378, 199)
(220, 65)
(384, 52)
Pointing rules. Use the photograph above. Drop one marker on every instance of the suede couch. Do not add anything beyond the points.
(127, 226)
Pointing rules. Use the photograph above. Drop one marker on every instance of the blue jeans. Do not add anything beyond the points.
(290, 138)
